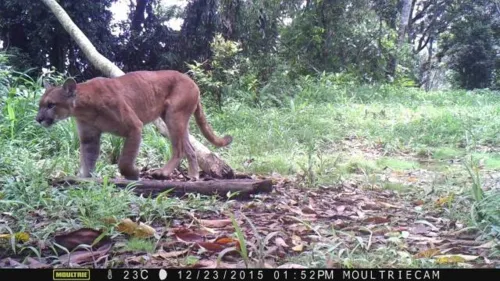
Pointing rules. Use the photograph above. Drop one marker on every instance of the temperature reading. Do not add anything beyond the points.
(135, 274)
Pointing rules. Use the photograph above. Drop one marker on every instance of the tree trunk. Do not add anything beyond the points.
(403, 26)
(138, 18)
(428, 82)
(403, 23)
(209, 162)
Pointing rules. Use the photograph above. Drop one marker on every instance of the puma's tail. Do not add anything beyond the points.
(207, 130)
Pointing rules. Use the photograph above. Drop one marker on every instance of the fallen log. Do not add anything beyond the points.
(238, 188)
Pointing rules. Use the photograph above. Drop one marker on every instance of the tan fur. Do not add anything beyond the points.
(122, 106)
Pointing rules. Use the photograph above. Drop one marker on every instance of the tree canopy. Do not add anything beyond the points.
(367, 40)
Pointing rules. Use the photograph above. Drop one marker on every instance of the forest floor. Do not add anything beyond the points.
(394, 221)
(363, 177)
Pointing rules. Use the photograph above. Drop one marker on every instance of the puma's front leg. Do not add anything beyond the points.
(90, 139)
(129, 154)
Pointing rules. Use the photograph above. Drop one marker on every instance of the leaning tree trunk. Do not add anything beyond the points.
(209, 162)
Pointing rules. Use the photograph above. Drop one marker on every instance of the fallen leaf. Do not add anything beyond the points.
(168, 255)
(298, 248)
(377, 220)
(444, 200)
(205, 264)
(457, 257)
(127, 226)
(186, 235)
(371, 206)
(433, 227)
(144, 231)
(291, 265)
(79, 257)
(19, 236)
(412, 179)
(339, 223)
(392, 234)
(340, 209)
(427, 239)
(330, 263)
(308, 210)
(280, 242)
(212, 247)
(387, 205)
(214, 264)
(22, 236)
(136, 259)
(215, 223)
(419, 229)
(225, 240)
(16, 264)
(487, 245)
(140, 230)
(296, 240)
(83, 236)
(449, 259)
(360, 213)
(427, 253)
(209, 230)
(299, 228)
(418, 202)
(33, 263)
(109, 220)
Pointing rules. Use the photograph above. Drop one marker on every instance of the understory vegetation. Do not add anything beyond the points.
(425, 164)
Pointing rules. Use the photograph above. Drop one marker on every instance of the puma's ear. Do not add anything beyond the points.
(47, 85)
(69, 87)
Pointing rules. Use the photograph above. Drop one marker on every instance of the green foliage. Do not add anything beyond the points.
(470, 48)
(325, 131)
(327, 36)
(222, 70)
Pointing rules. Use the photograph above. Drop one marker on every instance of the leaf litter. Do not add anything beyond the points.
(295, 221)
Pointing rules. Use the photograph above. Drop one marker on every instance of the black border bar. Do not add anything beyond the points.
(169, 274)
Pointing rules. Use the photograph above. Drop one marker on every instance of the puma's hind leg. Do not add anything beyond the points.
(177, 128)
(126, 163)
(130, 150)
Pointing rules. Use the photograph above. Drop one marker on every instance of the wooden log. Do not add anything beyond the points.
(242, 187)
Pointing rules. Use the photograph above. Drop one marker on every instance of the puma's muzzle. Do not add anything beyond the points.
(44, 120)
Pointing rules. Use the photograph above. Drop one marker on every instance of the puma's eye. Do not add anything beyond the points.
(50, 105)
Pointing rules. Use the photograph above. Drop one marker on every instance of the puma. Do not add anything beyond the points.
(123, 106)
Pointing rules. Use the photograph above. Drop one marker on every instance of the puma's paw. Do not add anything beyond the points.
(194, 177)
(132, 177)
(159, 174)
(130, 173)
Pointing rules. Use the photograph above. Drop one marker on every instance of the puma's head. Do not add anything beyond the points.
(56, 102)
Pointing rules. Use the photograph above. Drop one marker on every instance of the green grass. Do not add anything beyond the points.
(491, 160)
(447, 153)
(140, 245)
(323, 135)
(397, 164)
